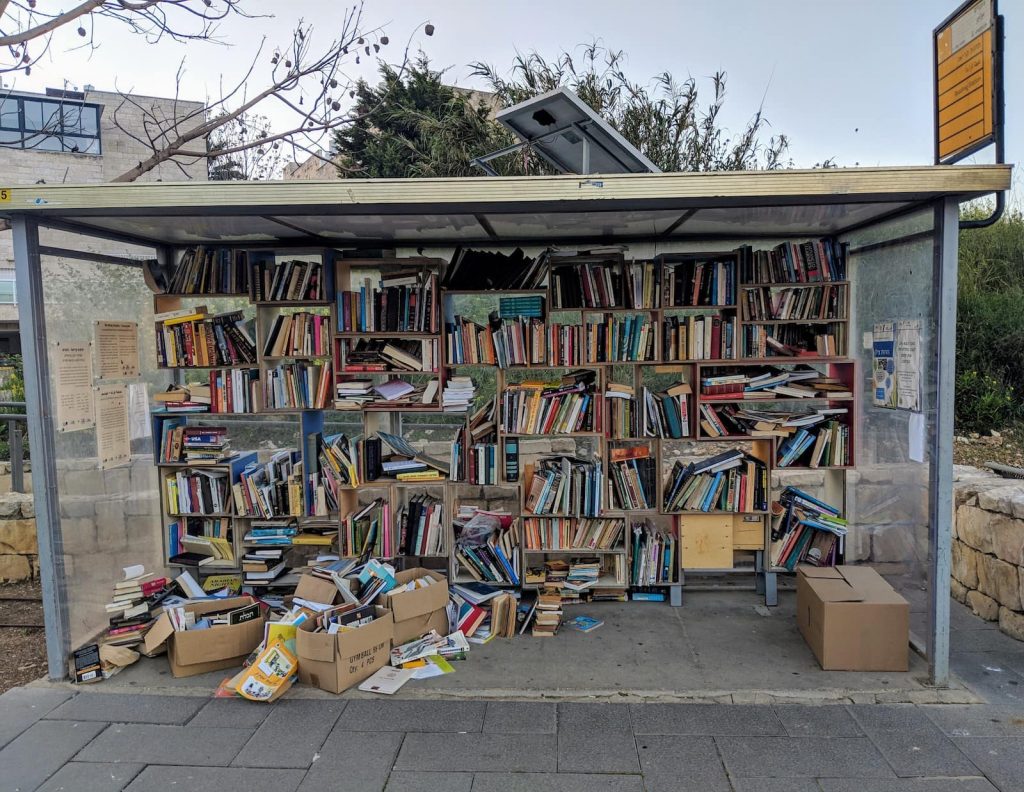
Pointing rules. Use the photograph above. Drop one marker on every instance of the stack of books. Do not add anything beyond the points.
(271, 532)
(548, 615)
(191, 338)
(288, 281)
(421, 527)
(297, 386)
(667, 414)
(366, 531)
(632, 473)
(733, 421)
(732, 481)
(772, 385)
(353, 394)
(205, 445)
(402, 302)
(565, 486)
(699, 282)
(191, 398)
(655, 555)
(794, 262)
(392, 354)
(616, 337)
(564, 343)
(195, 526)
(698, 337)
(643, 284)
(130, 611)
(805, 530)
(770, 303)
(205, 270)
(233, 390)
(487, 545)
(566, 533)
(475, 453)
(539, 408)
(490, 270)
(198, 492)
(335, 466)
(794, 340)
(262, 567)
(458, 394)
(826, 446)
(271, 489)
(300, 334)
(587, 281)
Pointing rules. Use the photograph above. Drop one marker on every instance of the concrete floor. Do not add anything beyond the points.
(720, 646)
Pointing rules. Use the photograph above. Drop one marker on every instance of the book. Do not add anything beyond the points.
(583, 623)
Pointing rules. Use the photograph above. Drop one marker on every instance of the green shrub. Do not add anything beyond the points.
(984, 402)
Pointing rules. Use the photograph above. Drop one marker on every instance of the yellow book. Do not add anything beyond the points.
(420, 475)
(192, 317)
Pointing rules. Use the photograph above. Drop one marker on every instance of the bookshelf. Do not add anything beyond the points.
(609, 367)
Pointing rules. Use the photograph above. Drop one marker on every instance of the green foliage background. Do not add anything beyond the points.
(990, 325)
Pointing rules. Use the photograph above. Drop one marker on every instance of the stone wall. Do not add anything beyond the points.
(988, 547)
(19, 553)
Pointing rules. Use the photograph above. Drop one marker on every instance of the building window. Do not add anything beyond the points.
(51, 124)
(8, 294)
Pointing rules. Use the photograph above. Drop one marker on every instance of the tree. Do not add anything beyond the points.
(425, 128)
(309, 81)
(27, 31)
(420, 127)
(256, 161)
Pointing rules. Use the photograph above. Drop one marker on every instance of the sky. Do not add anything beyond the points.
(850, 81)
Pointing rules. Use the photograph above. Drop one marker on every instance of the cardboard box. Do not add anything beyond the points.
(852, 619)
(192, 652)
(420, 611)
(337, 662)
(316, 589)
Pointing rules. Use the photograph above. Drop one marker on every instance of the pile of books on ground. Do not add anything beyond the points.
(483, 612)
(548, 615)
(136, 600)
(805, 530)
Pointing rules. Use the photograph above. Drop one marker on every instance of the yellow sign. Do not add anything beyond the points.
(5, 195)
(964, 80)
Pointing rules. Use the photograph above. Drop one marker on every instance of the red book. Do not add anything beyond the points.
(716, 337)
(470, 617)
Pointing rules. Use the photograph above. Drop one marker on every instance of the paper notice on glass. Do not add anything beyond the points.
(113, 442)
(117, 349)
(915, 440)
(139, 427)
(883, 365)
(908, 364)
(73, 386)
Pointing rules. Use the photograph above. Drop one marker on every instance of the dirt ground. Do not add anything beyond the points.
(1005, 447)
(22, 648)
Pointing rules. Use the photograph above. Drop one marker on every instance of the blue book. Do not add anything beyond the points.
(648, 596)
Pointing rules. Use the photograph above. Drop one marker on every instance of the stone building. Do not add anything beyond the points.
(71, 137)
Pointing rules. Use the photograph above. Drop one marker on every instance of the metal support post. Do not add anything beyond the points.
(38, 407)
(15, 442)
(947, 226)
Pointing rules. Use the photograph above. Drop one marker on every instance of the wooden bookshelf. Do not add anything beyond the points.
(704, 540)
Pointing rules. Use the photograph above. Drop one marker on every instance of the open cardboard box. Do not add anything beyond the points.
(192, 652)
(420, 611)
(316, 589)
(337, 662)
(852, 619)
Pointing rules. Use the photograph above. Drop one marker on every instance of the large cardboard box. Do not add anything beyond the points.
(192, 652)
(316, 589)
(420, 611)
(337, 662)
(852, 619)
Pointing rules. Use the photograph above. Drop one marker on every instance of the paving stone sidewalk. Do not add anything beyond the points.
(53, 740)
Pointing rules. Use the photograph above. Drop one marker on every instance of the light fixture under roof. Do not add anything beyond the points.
(568, 134)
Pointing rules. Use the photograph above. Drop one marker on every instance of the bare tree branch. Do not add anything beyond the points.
(310, 83)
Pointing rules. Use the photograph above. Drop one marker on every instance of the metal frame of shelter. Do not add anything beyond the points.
(118, 212)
